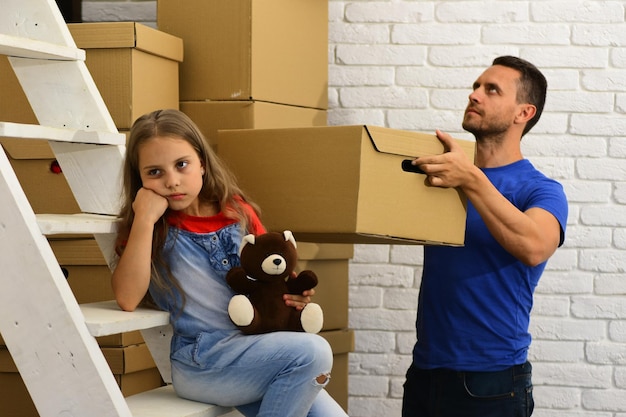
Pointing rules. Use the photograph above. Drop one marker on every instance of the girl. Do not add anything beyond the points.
(183, 219)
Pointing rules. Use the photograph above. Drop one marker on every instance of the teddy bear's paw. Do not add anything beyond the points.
(312, 318)
(240, 310)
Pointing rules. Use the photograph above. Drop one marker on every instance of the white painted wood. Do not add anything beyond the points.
(163, 402)
(19, 47)
(49, 336)
(94, 174)
(80, 223)
(41, 322)
(233, 413)
(35, 19)
(63, 94)
(105, 317)
(26, 131)
(106, 242)
(158, 340)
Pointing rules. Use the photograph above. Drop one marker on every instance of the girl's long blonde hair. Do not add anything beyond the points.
(219, 184)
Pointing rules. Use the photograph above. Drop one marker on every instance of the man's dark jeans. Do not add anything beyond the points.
(446, 393)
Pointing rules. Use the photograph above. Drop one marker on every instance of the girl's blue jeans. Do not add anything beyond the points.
(447, 393)
(280, 374)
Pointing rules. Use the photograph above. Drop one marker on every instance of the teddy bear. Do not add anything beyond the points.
(266, 273)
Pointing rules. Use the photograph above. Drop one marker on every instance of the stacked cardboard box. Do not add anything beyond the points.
(330, 262)
(135, 67)
(136, 71)
(126, 353)
(342, 343)
(251, 64)
(132, 367)
(248, 65)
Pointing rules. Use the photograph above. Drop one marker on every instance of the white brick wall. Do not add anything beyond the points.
(409, 65)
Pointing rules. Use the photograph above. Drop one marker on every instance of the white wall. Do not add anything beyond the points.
(409, 65)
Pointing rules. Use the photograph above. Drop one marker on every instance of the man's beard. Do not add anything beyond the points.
(486, 131)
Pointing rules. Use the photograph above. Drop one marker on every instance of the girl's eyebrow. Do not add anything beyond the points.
(182, 158)
(148, 167)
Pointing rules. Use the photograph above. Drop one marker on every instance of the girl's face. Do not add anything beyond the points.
(170, 167)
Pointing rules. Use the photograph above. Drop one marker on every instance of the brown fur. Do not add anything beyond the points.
(265, 291)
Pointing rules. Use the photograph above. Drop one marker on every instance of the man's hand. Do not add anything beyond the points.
(449, 170)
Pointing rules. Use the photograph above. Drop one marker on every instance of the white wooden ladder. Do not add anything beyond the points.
(50, 337)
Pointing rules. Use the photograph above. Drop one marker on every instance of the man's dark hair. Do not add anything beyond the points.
(532, 85)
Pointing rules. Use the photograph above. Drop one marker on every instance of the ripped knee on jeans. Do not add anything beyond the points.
(323, 379)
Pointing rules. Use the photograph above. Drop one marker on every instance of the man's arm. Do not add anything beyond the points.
(532, 236)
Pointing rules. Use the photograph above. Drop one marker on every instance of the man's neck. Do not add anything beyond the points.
(493, 154)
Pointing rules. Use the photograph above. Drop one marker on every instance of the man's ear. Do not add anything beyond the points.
(525, 113)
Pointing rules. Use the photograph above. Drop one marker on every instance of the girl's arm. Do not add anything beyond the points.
(131, 277)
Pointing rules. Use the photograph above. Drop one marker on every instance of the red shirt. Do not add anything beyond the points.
(210, 224)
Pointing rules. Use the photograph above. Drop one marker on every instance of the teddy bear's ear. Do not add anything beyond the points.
(246, 239)
(289, 238)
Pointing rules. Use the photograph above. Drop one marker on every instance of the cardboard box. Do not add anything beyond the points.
(43, 183)
(140, 381)
(211, 116)
(342, 342)
(15, 400)
(40, 175)
(89, 278)
(330, 262)
(14, 106)
(128, 359)
(346, 184)
(134, 66)
(269, 50)
(131, 366)
(86, 270)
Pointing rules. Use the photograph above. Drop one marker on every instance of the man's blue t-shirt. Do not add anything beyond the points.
(475, 300)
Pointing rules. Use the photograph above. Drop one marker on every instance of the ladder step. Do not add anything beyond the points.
(28, 131)
(81, 223)
(105, 318)
(30, 48)
(163, 402)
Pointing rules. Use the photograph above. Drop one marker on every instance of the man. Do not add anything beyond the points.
(470, 358)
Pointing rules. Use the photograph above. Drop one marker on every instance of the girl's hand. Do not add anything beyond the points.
(149, 205)
(299, 301)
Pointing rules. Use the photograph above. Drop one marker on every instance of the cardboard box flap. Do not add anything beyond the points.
(410, 144)
(27, 149)
(127, 35)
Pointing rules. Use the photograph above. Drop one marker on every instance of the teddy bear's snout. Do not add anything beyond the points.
(274, 265)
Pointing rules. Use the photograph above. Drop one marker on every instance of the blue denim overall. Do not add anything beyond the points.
(265, 375)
